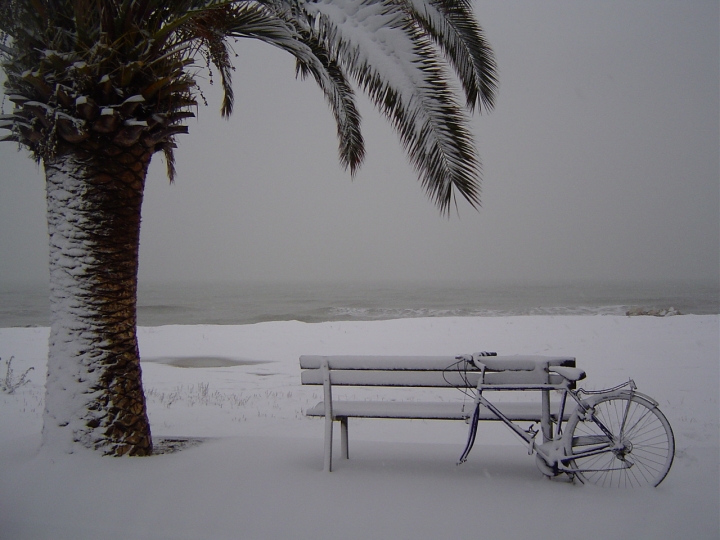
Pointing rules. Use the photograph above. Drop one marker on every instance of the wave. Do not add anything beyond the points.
(368, 313)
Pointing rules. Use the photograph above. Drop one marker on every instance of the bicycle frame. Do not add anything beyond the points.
(552, 450)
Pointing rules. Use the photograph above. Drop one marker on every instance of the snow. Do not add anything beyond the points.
(72, 342)
(369, 32)
(257, 472)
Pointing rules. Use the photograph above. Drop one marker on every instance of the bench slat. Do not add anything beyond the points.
(414, 410)
(431, 363)
(419, 379)
(426, 379)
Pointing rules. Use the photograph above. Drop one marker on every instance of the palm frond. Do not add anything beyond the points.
(341, 98)
(396, 64)
(271, 23)
(450, 23)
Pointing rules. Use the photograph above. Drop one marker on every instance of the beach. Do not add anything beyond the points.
(253, 468)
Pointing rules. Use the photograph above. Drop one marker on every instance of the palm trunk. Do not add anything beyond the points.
(94, 397)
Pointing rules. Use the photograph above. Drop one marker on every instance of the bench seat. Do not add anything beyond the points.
(416, 410)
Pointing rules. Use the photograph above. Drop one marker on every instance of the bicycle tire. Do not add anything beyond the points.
(643, 448)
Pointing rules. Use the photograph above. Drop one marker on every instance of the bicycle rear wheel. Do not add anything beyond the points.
(637, 449)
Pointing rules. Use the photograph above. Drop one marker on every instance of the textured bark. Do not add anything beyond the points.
(94, 396)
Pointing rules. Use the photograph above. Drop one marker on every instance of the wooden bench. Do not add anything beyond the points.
(501, 373)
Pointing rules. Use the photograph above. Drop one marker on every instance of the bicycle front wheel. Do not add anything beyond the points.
(627, 442)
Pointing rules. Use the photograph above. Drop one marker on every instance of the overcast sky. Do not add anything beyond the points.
(600, 162)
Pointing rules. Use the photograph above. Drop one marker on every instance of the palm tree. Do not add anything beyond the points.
(99, 86)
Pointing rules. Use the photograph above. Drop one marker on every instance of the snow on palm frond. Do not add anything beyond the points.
(452, 26)
(396, 62)
(274, 24)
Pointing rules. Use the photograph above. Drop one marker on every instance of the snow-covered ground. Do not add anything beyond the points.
(257, 474)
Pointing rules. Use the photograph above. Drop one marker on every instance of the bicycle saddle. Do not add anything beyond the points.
(572, 374)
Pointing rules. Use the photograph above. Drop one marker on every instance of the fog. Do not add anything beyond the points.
(600, 162)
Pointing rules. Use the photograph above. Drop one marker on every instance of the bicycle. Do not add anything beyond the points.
(614, 437)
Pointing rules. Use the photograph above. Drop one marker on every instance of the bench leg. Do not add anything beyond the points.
(546, 420)
(327, 465)
(327, 394)
(344, 437)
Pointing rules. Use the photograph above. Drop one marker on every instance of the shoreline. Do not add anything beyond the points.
(562, 312)
(221, 303)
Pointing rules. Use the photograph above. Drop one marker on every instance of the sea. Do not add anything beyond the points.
(192, 303)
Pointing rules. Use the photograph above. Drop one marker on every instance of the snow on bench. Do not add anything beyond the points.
(500, 373)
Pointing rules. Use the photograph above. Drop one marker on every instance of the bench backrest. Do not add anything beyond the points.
(430, 371)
